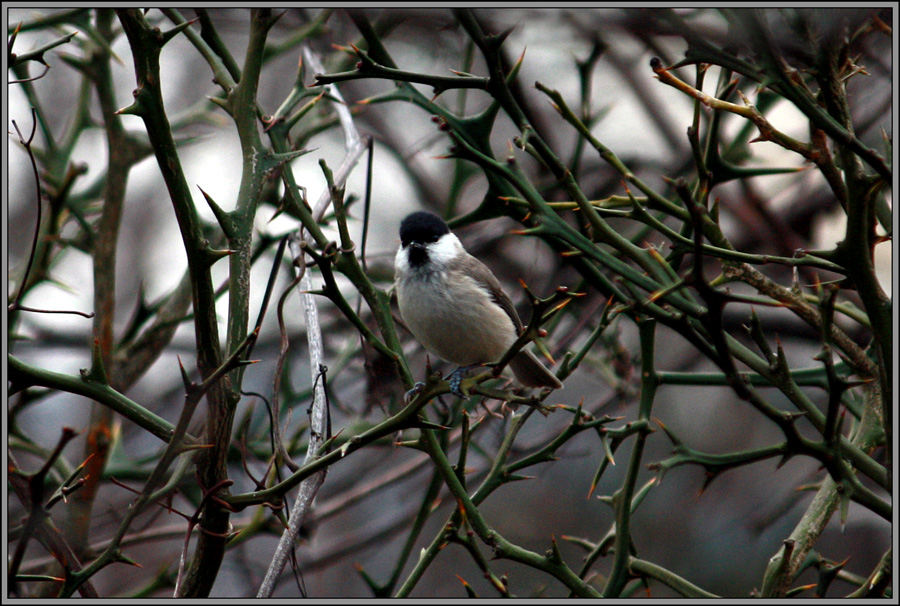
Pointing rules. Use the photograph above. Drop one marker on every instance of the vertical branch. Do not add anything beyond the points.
(146, 43)
(355, 145)
(122, 153)
(238, 228)
(241, 103)
(319, 415)
(26, 143)
(857, 249)
(623, 497)
(319, 430)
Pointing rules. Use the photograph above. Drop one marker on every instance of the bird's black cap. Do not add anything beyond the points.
(422, 227)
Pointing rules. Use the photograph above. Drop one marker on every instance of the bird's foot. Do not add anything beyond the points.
(455, 380)
(412, 393)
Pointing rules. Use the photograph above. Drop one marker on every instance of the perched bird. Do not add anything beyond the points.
(455, 306)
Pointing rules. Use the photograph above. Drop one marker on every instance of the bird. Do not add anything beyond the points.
(454, 305)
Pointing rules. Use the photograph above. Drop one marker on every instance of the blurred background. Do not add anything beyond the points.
(720, 537)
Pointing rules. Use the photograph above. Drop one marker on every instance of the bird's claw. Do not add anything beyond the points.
(412, 393)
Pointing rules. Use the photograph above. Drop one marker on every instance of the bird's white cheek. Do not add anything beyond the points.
(401, 264)
(445, 250)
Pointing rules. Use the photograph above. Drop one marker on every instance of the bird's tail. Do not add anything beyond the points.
(531, 373)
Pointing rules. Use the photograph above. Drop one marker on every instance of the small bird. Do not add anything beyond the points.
(455, 306)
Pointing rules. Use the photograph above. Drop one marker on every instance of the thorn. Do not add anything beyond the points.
(98, 371)
(122, 558)
(784, 459)
(710, 476)
(521, 58)
(342, 48)
(608, 450)
(469, 590)
(184, 376)
(224, 218)
(669, 434)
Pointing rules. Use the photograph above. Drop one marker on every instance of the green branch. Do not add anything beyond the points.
(22, 376)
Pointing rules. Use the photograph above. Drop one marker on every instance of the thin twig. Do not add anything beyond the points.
(355, 146)
(16, 305)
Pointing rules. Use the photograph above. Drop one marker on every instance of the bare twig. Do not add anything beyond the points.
(319, 429)
(16, 305)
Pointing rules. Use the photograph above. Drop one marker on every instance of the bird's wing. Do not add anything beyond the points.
(482, 274)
